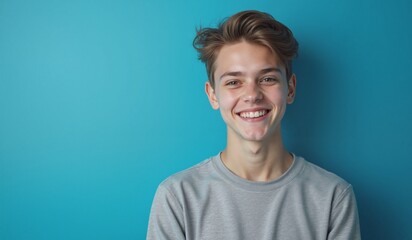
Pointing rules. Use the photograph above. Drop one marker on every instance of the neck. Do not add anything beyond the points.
(257, 160)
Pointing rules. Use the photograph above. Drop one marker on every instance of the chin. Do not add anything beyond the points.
(260, 135)
(256, 137)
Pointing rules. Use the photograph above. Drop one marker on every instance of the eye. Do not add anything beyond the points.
(268, 80)
(232, 83)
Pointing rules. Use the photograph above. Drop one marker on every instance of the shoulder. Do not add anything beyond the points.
(189, 178)
(317, 174)
(318, 179)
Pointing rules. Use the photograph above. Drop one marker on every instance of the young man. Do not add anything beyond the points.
(254, 188)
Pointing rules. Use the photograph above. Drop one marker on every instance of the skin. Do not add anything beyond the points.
(251, 81)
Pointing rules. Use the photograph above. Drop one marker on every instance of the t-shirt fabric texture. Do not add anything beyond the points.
(208, 201)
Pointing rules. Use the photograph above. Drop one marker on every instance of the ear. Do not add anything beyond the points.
(210, 92)
(291, 89)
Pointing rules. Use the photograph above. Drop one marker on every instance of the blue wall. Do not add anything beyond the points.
(101, 100)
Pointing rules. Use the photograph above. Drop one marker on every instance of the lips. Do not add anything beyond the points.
(253, 114)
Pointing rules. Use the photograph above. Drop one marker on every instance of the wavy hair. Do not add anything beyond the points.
(252, 26)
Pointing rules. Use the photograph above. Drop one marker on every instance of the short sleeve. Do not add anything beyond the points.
(344, 224)
(166, 220)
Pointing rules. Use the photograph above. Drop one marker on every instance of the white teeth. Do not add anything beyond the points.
(253, 114)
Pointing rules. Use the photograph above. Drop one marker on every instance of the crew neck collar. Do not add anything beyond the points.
(256, 186)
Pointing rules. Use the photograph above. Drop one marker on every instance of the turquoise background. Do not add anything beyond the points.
(102, 100)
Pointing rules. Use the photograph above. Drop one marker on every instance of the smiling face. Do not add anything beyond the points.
(251, 91)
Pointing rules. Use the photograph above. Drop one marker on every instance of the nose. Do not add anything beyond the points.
(252, 93)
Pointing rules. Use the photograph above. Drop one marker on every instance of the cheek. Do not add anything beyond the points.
(278, 97)
(226, 101)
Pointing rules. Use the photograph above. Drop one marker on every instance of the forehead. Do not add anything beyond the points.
(246, 57)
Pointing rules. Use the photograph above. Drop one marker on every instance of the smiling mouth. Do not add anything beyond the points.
(254, 114)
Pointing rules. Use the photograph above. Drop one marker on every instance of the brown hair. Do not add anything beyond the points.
(251, 26)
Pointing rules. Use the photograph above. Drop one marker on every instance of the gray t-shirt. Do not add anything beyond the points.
(209, 202)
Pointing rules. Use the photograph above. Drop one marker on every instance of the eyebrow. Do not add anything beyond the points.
(272, 69)
(263, 71)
